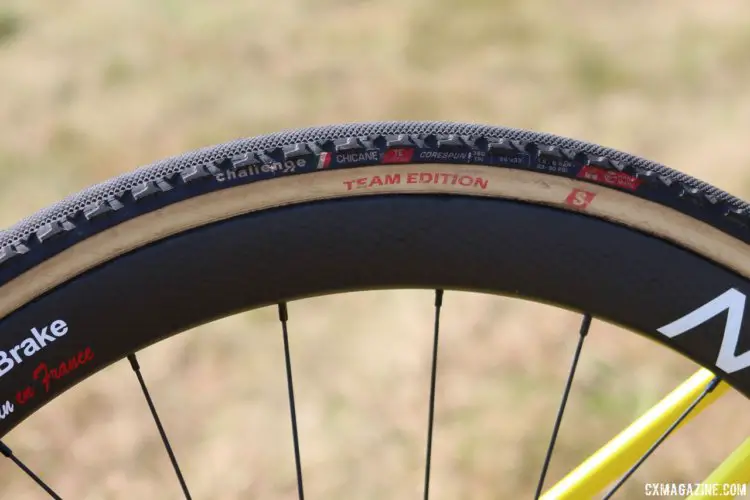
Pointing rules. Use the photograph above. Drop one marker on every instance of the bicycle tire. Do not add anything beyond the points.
(368, 206)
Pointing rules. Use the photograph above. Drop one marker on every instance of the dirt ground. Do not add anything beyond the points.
(90, 89)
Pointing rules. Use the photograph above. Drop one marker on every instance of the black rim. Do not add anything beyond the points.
(439, 242)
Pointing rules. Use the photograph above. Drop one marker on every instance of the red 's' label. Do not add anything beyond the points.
(580, 199)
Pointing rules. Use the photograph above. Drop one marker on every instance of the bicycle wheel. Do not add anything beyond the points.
(261, 221)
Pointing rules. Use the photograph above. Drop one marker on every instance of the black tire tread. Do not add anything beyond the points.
(76, 216)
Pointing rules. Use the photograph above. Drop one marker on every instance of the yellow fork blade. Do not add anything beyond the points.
(735, 470)
(622, 452)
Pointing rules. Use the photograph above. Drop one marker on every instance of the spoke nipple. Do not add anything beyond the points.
(438, 298)
(134, 362)
(283, 314)
(585, 325)
(713, 384)
(7, 452)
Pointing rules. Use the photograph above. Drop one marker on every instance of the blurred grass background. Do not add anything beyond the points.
(91, 89)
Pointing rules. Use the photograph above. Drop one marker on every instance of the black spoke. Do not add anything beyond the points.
(433, 379)
(8, 453)
(709, 387)
(137, 369)
(284, 317)
(584, 330)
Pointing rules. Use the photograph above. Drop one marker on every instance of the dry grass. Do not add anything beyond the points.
(92, 88)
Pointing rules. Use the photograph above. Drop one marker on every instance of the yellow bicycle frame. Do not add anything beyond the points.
(618, 456)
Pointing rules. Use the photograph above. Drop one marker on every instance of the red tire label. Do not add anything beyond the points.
(580, 199)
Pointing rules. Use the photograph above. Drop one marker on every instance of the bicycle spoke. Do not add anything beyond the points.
(584, 330)
(710, 387)
(284, 317)
(433, 379)
(137, 369)
(8, 453)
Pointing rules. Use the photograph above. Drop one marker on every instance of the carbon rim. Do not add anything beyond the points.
(580, 276)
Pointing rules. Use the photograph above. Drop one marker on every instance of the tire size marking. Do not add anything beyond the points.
(579, 198)
(732, 301)
(373, 181)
